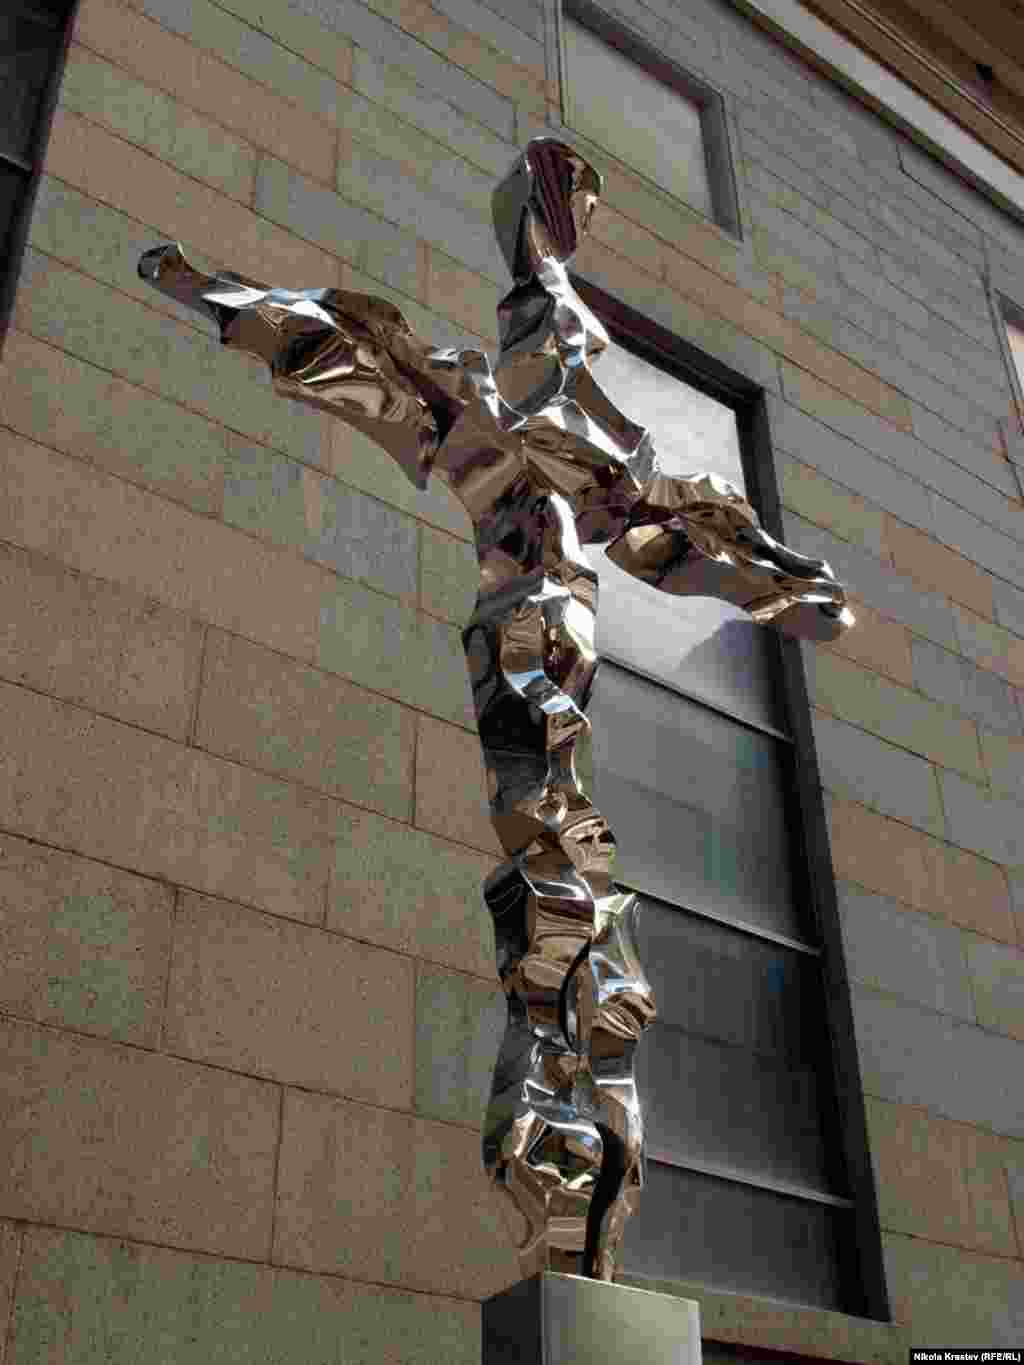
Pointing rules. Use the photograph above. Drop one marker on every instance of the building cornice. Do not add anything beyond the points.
(941, 114)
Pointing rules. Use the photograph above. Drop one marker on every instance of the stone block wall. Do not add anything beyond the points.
(247, 993)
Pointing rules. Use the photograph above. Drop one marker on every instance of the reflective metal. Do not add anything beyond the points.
(544, 462)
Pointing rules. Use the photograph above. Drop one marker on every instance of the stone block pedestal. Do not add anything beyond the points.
(554, 1319)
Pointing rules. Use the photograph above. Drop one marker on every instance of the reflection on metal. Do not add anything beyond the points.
(544, 462)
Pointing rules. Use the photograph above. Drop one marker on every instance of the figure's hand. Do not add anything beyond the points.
(699, 537)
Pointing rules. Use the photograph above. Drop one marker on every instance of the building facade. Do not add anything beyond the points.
(247, 986)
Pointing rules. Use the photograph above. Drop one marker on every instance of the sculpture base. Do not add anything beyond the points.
(554, 1319)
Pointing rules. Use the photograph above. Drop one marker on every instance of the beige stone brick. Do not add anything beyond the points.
(518, 80)
(918, 1162)
(944, 1294)
(828, 504)
(986, 1159)
(357, 461)
(165, 552)
(100, 242)
(438, 168)
(937, 567)
(458, 293)
(695, 280)
(379, 130)
(970, 891)
(85, 411)
(989, 645)
(460, 1022)
(299, 33)
(942, 1181)
(112, 170)
(641, 248)
(257, 840)
(408, 890)
(97, 1298)
(449, 576)
(273, 713)
(205, 84)
(1016, 883)
(773, 255)
(1004, 763)
(123, 1141)
(877, 643)
(85, 946)
(293, 506)
(825, 371)
(1013, 1154)
(997, 981)
(98, 644)
(180, 361)
(881, 854)
(389, 647)
(113, 792)
(451, 797)
(370, 1194)
(595, 259)
(896, 713)
(150, 119)
(833, 378)
(684, 232)
(290, 1002)
(10, 1257)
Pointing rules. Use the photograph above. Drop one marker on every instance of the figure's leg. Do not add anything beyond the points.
(622, 1004)
(555, 1132)
(541, 1151)
(700, 537)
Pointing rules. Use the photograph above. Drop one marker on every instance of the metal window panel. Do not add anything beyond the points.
(727, 986)
(697, 802)
(699, 646)
(658, 105)
(30, 43)
(710, 1104)
(702, 1229)
(13, 187)
(616, 104)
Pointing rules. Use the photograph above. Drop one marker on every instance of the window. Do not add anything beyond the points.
(625, 97)
(752, 1160)
(33, 37)
(1013, 322)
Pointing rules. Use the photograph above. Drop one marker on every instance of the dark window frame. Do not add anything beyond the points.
(1007, 311)
(12, 249)
(860, 1260)
(709, 102)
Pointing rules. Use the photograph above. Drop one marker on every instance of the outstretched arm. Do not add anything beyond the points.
(699, 537)
(352, 354)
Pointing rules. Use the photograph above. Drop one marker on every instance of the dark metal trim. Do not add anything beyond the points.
(714, 127)
(15, 163)
(801, 1193)
(759, 727)
(1005, 310)
(859, 1258)
(863, 1260)
(726, 922)
(17, 239)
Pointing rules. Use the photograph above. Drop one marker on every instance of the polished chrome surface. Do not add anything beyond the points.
(545, 463)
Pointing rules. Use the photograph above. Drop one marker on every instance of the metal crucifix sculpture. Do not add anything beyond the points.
(544, 463)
